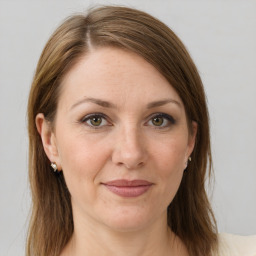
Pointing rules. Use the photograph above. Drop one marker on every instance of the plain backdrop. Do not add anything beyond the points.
(221, 37)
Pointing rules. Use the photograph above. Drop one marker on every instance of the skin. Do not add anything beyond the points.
(132, 141)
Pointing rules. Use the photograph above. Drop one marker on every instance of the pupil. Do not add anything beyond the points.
(158, 121)
(96, 121)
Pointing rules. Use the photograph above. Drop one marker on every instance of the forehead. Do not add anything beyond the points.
(115, 75)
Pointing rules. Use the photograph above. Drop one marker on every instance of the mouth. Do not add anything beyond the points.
(128, 188)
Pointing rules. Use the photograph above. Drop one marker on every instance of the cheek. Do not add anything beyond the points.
(170, 160)
(172, 156)
(82, 159)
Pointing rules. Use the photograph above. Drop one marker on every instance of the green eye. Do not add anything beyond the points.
(95, 121)
(161, 120)
(158, 121)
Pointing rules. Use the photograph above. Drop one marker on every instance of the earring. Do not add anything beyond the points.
(189, 160)
(54, 166)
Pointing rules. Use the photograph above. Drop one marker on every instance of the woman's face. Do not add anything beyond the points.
(121, 138)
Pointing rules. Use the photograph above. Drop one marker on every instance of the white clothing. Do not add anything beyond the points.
(234, 245)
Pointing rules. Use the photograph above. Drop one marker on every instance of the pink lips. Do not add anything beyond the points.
(128, 188)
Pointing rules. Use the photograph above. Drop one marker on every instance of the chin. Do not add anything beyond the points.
(128, 220)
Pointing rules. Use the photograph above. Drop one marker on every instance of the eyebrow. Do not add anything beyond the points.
(99, 102)
(160, 103)
(107, 104)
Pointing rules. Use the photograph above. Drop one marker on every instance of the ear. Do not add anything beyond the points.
(48, 137)
(192, 138)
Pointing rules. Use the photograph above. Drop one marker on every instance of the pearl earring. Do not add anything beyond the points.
(54, 166)
(189, 160)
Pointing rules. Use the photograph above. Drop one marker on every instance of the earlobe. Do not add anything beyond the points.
(48, 137)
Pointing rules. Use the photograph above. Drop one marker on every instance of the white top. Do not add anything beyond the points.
(234, 245)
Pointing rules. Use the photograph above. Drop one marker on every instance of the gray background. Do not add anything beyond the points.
(221, 37)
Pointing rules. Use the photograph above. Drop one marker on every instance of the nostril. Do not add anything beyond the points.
(131, 165)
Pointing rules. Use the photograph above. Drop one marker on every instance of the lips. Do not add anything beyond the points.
(128, 188)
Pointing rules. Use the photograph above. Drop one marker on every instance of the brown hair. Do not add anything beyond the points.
(189, 214)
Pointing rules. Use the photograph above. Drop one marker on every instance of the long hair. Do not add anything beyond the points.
(189, 214)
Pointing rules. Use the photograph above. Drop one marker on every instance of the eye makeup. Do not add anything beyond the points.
(96, 120)
(99, 120)
(161, 120)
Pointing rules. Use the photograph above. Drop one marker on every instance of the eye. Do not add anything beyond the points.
(161, 120)
(95, 120)
(158, 121)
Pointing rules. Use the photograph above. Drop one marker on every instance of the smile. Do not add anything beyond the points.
(126, 188)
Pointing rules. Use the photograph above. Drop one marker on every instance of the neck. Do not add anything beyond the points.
(92, 239)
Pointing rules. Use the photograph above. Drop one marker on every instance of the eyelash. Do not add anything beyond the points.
(170, 120)
(95, 115)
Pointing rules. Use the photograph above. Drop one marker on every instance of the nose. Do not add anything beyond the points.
(130, 149)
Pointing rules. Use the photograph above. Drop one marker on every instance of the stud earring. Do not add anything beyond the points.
(54, 166)
(189, 160)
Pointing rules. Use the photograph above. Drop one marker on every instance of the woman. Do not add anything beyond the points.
(117, 110)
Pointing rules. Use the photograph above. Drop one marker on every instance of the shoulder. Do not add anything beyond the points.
(234, 245)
